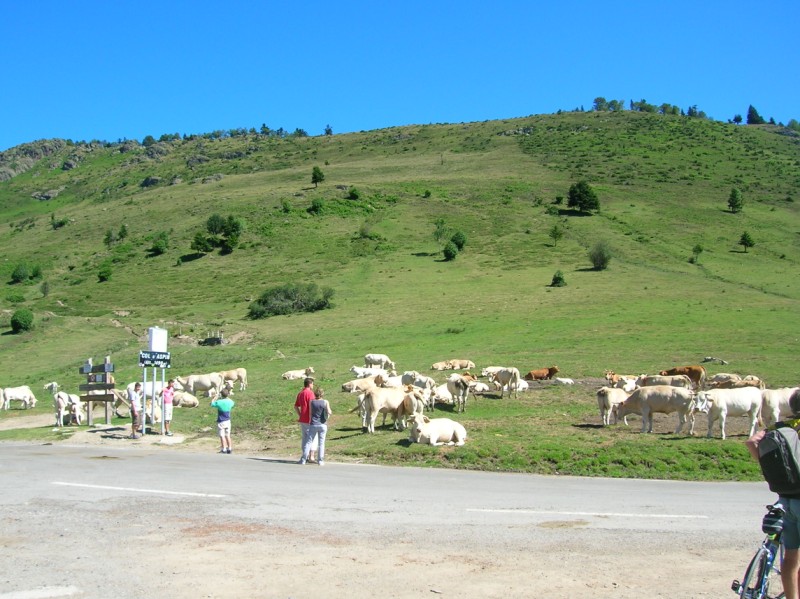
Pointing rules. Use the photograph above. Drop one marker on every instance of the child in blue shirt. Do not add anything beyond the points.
(224, 406)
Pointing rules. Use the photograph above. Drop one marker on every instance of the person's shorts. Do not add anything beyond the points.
(168, 412)
(791, 523)
(224, 428)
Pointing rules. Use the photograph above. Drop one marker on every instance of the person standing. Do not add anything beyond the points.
(224, 406)
(301, 406)
(790, 537)
(135, 399)
(168, 395)
(319, 411)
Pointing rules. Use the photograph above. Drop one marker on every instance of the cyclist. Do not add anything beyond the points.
(790, 569)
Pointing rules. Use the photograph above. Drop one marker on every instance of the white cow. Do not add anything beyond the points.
(359, 385)
(507, 376)
(441, 365)
(388, 400)
(389, 381)
(731, 402)
(458, 386)
(478, 387)
(676, 380)
(436, 431)
(664, 399)
(442, 394)
(64, 404)
(490, 370)
(608, 398)
(365, 371)
(197, 383)
(412, 377)
(775, 404)
(564, 381)
(459, 364)
(291, 375)
(236, 375)
(380, 360)
(22, 394)
(183, 399)
(521, 385)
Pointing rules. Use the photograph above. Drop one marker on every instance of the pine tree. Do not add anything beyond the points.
(735, 201)
(317, 176)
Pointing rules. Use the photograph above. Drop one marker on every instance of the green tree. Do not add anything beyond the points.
(317, 176)
(201, 243)
(21, 320)
(735, 201)
(123, 232)
(20, 273)
(600, 104)
(148, 141)
(696, 251)
(746, 241)
(215, 224)
(753, 118)
(737, 118)
(583, 197)
(450, 251)
(556, 233)
(160, 243)
(600, 255)
(440, 232)
(104, 272)
(558, 280)
(109, 238)
(459, 240)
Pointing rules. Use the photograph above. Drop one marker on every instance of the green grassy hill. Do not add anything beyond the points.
(663, 184)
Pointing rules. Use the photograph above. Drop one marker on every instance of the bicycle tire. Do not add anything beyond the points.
(752, 575)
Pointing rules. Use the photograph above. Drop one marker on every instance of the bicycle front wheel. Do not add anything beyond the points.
(760, 582)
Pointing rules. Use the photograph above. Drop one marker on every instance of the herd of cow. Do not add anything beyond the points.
(687, 390)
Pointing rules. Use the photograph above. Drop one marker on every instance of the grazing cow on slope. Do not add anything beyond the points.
(731, 402)
(458, 386)
(507, 376)
(379, 360)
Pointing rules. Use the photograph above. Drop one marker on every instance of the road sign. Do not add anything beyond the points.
(159, 359)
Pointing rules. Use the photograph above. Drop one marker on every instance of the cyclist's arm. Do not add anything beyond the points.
(752, 443)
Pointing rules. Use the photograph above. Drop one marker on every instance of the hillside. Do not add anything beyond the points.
(663, 184)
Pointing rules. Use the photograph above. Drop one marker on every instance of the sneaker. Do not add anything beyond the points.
(169, 433)
(229, 450)
(301, 461)
(321, 463)
(222, 451)
(134, 437)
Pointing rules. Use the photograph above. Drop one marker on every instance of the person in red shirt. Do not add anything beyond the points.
(302, 407)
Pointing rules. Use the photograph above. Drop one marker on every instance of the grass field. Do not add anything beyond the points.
(663, 184)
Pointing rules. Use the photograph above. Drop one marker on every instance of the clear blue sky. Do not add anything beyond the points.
(112, 70)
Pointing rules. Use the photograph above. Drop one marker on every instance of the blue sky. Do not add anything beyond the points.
(113, 70)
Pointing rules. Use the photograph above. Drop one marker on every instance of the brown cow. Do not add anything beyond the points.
(696, 373)
(541, 374)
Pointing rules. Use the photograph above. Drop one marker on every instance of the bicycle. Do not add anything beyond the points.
(762, 579)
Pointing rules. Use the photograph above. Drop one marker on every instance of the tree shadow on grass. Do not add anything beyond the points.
(425, 254)
(588, 426)
(191, 257)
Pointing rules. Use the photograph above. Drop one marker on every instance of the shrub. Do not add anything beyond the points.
(15, 297)
(215, 224)
(459, 239)
(20, 273)
(354, 194)
(160, 244)
(600, 255)
(551, 210)
(558, 280)
(317, 206)
(22, 320)
(104, 272)
(583, 197)
(290, 299)
(427, 193)
(450, 251)
(201, 243)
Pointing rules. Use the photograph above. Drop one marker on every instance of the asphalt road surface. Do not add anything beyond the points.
(104, 522)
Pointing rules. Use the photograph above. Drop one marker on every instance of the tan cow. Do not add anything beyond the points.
(664, 399)
(436, 431)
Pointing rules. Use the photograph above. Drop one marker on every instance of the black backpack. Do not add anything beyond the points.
(778, 456)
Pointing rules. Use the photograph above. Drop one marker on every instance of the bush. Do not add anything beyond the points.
(600, 255)
(22, 320)
(459, 239)
(290, 299)
(317, 206)
(558, 280)
(354, 194)
(15, 297)
(104, 272)
(450, 251)
(201, 243)
(583, 197)
(160, 244)
(20, 273)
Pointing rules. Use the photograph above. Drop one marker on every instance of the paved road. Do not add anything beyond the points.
(73, 515)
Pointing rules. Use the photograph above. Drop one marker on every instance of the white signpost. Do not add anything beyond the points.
(155, 357)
